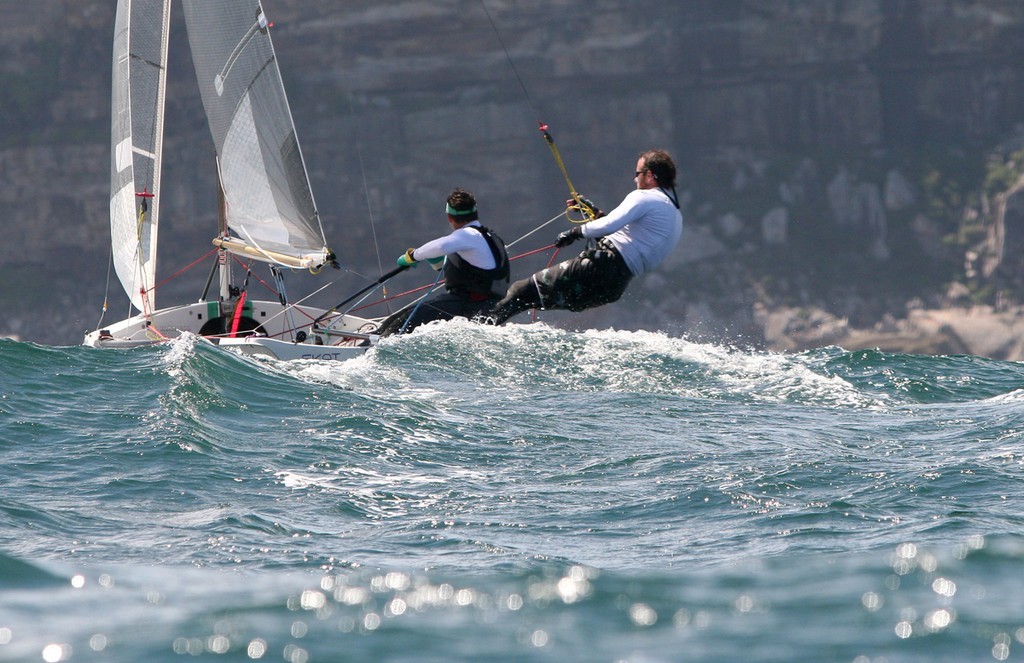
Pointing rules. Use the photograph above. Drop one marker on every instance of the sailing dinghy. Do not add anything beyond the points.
(267, 212)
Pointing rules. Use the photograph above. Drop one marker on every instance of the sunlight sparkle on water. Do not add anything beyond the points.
(311, 600)
(642, 614)
(872, 601)
(944, 587)
(98, 642)
(256, 649)
(54, 653)
(1001, 648)
(938, 620)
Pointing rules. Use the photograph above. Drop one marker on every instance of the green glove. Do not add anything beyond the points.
(406, 259)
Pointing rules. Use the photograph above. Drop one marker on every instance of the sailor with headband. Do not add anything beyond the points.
(476, 272)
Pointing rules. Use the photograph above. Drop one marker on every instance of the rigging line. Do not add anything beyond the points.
(249, 273)
(366, 195)
(508, 56)
(386, 300)
(366, 186)
(420, 301)
(183, 269)
(295, 306)
(541, 226)
(580, 204)
(144, 290)
(140, 271)
(106, 288)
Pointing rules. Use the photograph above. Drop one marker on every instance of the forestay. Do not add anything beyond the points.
(269, 205)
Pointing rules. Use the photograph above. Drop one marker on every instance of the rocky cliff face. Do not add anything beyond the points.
(854, 157)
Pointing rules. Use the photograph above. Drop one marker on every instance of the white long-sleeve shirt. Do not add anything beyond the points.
(645, 227)
(469, 244)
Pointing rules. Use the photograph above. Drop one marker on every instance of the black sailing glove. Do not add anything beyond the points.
(567, 237)
(587, 202)
(584, 204)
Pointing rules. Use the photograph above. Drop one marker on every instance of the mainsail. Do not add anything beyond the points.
(137, 102)
(269, 205)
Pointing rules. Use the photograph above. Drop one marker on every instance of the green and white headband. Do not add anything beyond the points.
(455, 212)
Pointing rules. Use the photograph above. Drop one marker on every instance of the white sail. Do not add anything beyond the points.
(137, 110)
(269, 205)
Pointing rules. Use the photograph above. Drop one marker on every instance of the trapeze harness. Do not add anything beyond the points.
(474, 283)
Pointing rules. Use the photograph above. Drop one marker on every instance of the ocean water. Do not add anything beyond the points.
(523, 493)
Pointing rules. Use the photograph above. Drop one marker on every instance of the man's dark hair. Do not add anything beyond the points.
(464, 204)
(660, 163)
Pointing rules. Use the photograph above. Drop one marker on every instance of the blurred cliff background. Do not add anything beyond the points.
(850, 170)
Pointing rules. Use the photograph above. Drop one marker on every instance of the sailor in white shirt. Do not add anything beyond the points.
(476, 272)
(633, 239)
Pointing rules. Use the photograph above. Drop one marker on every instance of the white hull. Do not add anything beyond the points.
(265, 330)
(288, 351)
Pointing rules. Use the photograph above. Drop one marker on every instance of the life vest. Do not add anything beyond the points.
(475, 283)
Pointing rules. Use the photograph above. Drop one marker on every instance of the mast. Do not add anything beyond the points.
(223, 260)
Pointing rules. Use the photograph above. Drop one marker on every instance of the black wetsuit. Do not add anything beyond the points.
(598, 275)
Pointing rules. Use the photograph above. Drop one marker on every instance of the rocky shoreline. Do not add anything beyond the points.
(975, 330)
